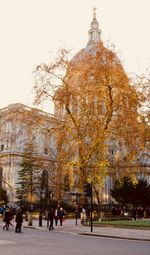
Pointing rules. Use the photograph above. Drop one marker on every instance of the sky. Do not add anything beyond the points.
(32, 31)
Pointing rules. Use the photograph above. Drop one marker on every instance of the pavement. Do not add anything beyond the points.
(69, 226)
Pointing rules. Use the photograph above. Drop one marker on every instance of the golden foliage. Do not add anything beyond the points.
(95, 103)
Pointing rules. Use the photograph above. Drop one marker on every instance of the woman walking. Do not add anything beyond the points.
(7, 218)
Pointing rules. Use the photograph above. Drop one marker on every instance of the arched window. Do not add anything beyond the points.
(2, 147)
(45, 151)
(44, 184)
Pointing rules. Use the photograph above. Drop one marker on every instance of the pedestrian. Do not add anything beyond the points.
(19, 220)
(51, 218)
(83, 216)
(7, 218)
(134, 213)
(56, 216)
(61, 215)
(11, 216)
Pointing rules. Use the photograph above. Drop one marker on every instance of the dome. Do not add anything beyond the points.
(91, 51)
(95, 60)
(95, 51)
(92, 70)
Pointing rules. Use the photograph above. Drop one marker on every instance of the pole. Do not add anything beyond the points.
(76, 212)
(91, 207)
(40, 213)
(48, 205)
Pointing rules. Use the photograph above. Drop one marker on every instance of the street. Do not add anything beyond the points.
(37, 242)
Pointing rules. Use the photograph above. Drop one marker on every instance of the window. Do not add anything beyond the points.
(2, 147)
(45, 151)
(44, 183)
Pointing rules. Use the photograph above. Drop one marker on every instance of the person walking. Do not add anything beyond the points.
(19, 220)
(7, 218)
(11, 216)
(56, 216)
(134, 213)
(61, 215)
(51, 218)
(83, 216)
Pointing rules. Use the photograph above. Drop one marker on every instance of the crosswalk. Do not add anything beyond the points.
(6, 242)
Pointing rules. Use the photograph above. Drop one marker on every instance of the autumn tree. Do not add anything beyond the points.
(97, 107)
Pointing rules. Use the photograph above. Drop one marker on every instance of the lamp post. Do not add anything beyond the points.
(76, 194)
(43, 195)
(91, 194)
(42, 192)
(88, 192)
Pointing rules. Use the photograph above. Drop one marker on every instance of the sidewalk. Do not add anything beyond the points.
(69, 226)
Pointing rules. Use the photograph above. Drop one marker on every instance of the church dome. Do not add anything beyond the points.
(92, 70)
(91, 51)
(95, 51)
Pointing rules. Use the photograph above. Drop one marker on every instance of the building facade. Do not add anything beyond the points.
(21, 125)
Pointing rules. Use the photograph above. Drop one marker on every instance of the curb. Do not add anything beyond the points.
(116, 237)
(32, 227)
(95, 234)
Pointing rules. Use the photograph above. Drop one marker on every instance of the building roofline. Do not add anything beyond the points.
(23, 107)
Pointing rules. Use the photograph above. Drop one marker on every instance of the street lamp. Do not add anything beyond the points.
(76, 194)
(42, 194)
(88, 192)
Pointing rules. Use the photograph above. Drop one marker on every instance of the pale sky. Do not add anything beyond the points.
(33, 30)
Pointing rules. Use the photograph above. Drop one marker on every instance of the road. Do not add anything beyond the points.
(37, 242)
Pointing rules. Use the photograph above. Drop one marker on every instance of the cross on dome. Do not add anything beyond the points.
(94, 12)
(94, 32)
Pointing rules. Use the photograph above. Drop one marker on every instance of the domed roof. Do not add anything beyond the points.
(93, 63)
(96, 52)
(91, 50)
(95, 47)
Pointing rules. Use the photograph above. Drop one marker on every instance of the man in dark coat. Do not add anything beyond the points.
(61, 215)
(19, 220)
(51, 218)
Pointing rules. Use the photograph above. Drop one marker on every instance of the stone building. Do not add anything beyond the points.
(20, 125)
